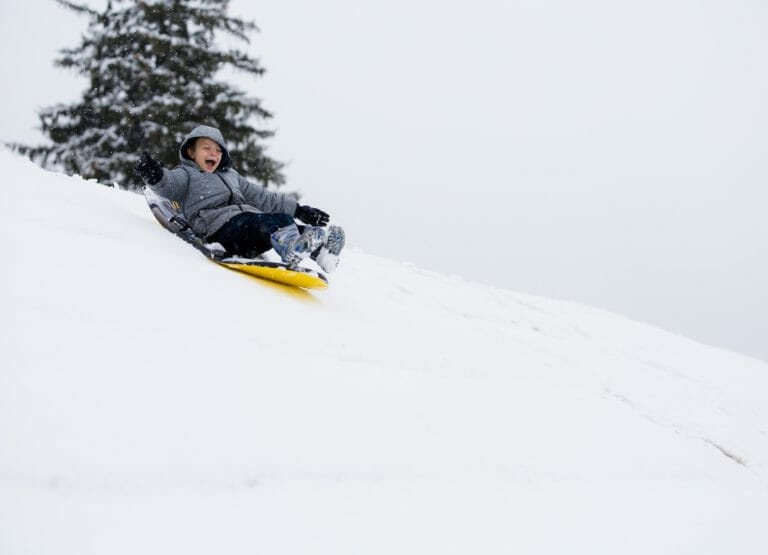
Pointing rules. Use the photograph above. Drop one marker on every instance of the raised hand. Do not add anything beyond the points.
(148, 169)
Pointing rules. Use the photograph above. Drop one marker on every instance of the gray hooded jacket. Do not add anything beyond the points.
(209, 200)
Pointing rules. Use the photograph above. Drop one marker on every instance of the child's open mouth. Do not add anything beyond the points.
(210, 164)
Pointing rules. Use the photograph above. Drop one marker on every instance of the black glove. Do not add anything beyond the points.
(311, 216)
(148, 169)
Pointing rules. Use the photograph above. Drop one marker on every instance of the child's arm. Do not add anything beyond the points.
(167, 183)
(267, 201)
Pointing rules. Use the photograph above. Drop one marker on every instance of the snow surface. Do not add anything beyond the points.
(153, 402)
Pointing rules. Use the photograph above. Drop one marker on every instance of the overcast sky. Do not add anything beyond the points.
(610, 153)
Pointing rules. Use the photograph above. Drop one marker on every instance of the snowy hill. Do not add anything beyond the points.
(152, 402)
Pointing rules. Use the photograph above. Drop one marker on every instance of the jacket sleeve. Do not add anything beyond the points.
(173, 185)
(267, 201)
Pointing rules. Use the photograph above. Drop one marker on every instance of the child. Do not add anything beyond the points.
(223, 207)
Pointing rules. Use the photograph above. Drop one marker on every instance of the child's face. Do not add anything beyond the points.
(206, 154)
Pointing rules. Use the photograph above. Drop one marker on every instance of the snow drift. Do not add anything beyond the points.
(153, 402)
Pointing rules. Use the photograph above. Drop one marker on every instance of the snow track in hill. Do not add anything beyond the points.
(152, 402)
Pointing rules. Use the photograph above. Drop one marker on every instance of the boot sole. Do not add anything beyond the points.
(336, 239)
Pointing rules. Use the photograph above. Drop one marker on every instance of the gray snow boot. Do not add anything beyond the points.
(292, 247)
(327, 256)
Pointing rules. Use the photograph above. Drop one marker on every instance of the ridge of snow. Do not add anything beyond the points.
(153, 402)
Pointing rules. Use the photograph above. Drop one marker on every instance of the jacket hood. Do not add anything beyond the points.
(207, 132)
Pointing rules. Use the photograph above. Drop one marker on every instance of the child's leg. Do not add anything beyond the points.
(250, 234)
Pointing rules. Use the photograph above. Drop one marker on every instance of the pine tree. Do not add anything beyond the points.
(152, 68)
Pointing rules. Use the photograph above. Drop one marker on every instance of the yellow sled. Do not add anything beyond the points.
(299, 277)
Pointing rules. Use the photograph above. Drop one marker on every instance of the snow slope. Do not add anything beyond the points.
(152, 402)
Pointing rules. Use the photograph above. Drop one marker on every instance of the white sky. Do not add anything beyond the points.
(604, 152)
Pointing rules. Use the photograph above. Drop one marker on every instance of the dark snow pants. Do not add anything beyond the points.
(249, 234)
